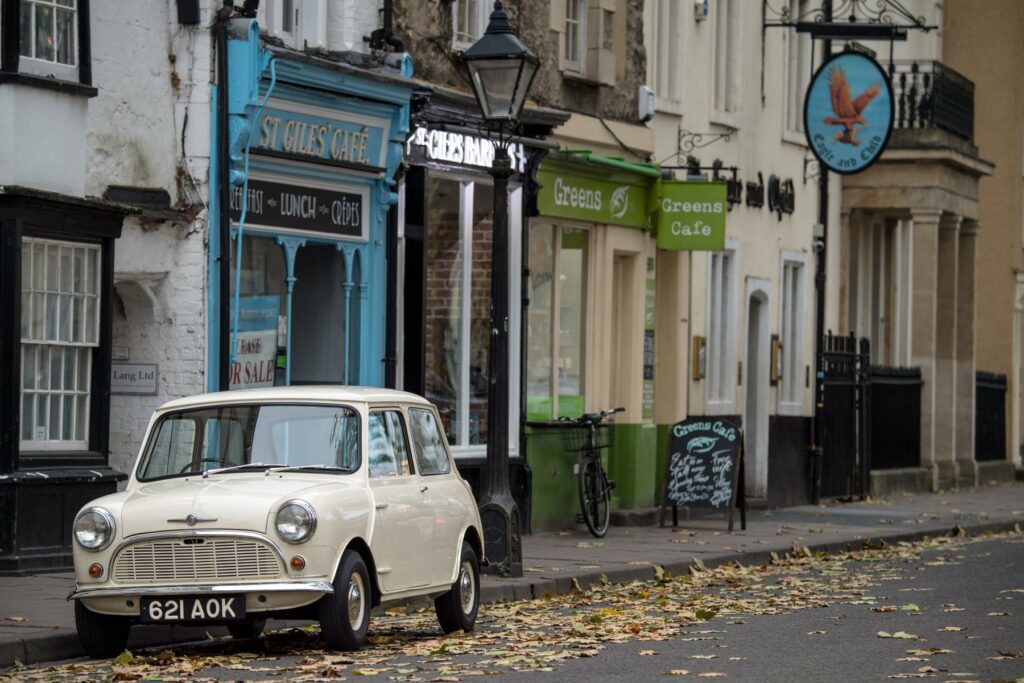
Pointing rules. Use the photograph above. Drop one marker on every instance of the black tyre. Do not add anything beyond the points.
(595, 497)
(249, 628)
(345, 613)
(101, 635)
(457, 609)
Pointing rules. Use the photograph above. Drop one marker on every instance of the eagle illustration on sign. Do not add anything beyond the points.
(847, 112)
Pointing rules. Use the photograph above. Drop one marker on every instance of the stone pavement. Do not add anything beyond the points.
(37, 623)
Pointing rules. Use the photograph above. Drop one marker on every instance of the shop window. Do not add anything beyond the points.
(262, 314)
(792, 384)
(798, 70)
(557, 316)
(469, 21)
(575, 53)
(722, 371)
(59, 334)
(727, 58)
(668, 50)
(428, 446)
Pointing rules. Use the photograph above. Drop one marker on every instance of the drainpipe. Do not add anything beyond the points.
(224, 202)
(818, 422)
(386, 35)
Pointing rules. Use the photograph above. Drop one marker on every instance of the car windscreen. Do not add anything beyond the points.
(212, 438)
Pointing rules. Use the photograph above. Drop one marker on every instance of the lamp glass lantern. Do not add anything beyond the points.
(501, 69)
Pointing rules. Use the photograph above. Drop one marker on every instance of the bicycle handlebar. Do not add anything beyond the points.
(592, 418)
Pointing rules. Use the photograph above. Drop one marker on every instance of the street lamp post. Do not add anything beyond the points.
(501, 70)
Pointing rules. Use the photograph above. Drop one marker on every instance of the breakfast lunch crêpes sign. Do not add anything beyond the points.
(848, 112)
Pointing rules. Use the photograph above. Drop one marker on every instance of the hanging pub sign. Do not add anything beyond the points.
(691, 216)
(848, 112)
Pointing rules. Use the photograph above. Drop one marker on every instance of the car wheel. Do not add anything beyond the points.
(250, 628)
(457, 608)
(101, 635)
(345, 613)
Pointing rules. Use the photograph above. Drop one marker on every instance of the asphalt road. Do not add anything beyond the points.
(945, 611)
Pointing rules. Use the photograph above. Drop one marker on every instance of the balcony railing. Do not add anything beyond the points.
(930, 95)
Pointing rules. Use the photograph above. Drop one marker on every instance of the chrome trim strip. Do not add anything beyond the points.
(193, 533)
(293, 587)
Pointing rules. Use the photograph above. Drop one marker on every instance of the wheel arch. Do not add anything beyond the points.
(360, 546)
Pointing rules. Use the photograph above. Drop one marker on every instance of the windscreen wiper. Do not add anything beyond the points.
(324, 468)
(246, 466)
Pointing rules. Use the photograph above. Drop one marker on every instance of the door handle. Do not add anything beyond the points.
(380, 506)
(423, 489)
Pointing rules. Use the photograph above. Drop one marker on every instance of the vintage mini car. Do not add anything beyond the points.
(298, 502)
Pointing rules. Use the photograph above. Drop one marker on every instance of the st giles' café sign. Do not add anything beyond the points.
(848, 112)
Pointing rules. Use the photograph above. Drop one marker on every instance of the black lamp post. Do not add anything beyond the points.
(501, 70)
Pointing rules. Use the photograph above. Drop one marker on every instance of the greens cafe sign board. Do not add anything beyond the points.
(691, 216)
(596, 200)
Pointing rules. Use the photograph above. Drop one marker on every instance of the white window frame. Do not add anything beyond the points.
(467, 183)
(483, 13)
(721, 369)
(309, 23)
(40, 66)
(727, 56)
(82, 374)
(792, 317)
(799, 55)
(668, 55)
(577, 66)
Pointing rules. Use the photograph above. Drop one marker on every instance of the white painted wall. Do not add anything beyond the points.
(758, 143)
(150, 127)
(42, 139)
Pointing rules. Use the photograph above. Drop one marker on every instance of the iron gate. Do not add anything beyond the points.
(844, 430)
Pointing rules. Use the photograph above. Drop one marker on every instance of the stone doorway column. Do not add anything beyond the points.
(964, 359)
(923, 283)
(945, 392)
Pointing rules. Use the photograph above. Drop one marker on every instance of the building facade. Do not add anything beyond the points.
(729, 105)
(980, 41)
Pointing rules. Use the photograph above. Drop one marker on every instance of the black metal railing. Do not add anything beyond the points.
(895, 417)
(931, 95)
(990, 417)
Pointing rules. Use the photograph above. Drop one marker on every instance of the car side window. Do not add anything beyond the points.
(388, 453)
(428, 446)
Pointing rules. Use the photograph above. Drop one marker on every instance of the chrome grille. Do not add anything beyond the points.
(196, 558)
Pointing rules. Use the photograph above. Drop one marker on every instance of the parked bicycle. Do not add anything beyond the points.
(589, 436)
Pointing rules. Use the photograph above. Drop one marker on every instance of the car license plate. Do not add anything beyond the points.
(192, 608)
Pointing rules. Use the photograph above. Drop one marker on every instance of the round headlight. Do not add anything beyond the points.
(94, 529)
(296, 521)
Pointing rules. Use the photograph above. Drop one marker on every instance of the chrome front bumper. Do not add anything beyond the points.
(276, 587)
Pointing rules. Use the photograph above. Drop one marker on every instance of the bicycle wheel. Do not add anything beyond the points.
(595, 496)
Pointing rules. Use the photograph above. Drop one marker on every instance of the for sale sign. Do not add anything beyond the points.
(252, 363)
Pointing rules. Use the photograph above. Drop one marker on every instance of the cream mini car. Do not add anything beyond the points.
(298, 502)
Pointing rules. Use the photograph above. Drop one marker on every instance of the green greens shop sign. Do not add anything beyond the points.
(595, 200)
(691, 216)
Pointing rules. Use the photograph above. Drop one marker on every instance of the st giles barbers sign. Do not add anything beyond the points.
(848, 112)
(430, 144)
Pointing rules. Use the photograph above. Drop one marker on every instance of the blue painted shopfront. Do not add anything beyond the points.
(314, 150)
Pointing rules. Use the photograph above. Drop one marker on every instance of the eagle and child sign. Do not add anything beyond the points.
(848, 112)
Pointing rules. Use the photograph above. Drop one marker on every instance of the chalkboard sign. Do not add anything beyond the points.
(705, 468)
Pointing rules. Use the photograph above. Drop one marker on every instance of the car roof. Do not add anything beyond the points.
(297, 394)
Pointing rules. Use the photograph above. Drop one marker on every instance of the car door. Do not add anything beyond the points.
(447, 494)
(403, 542)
